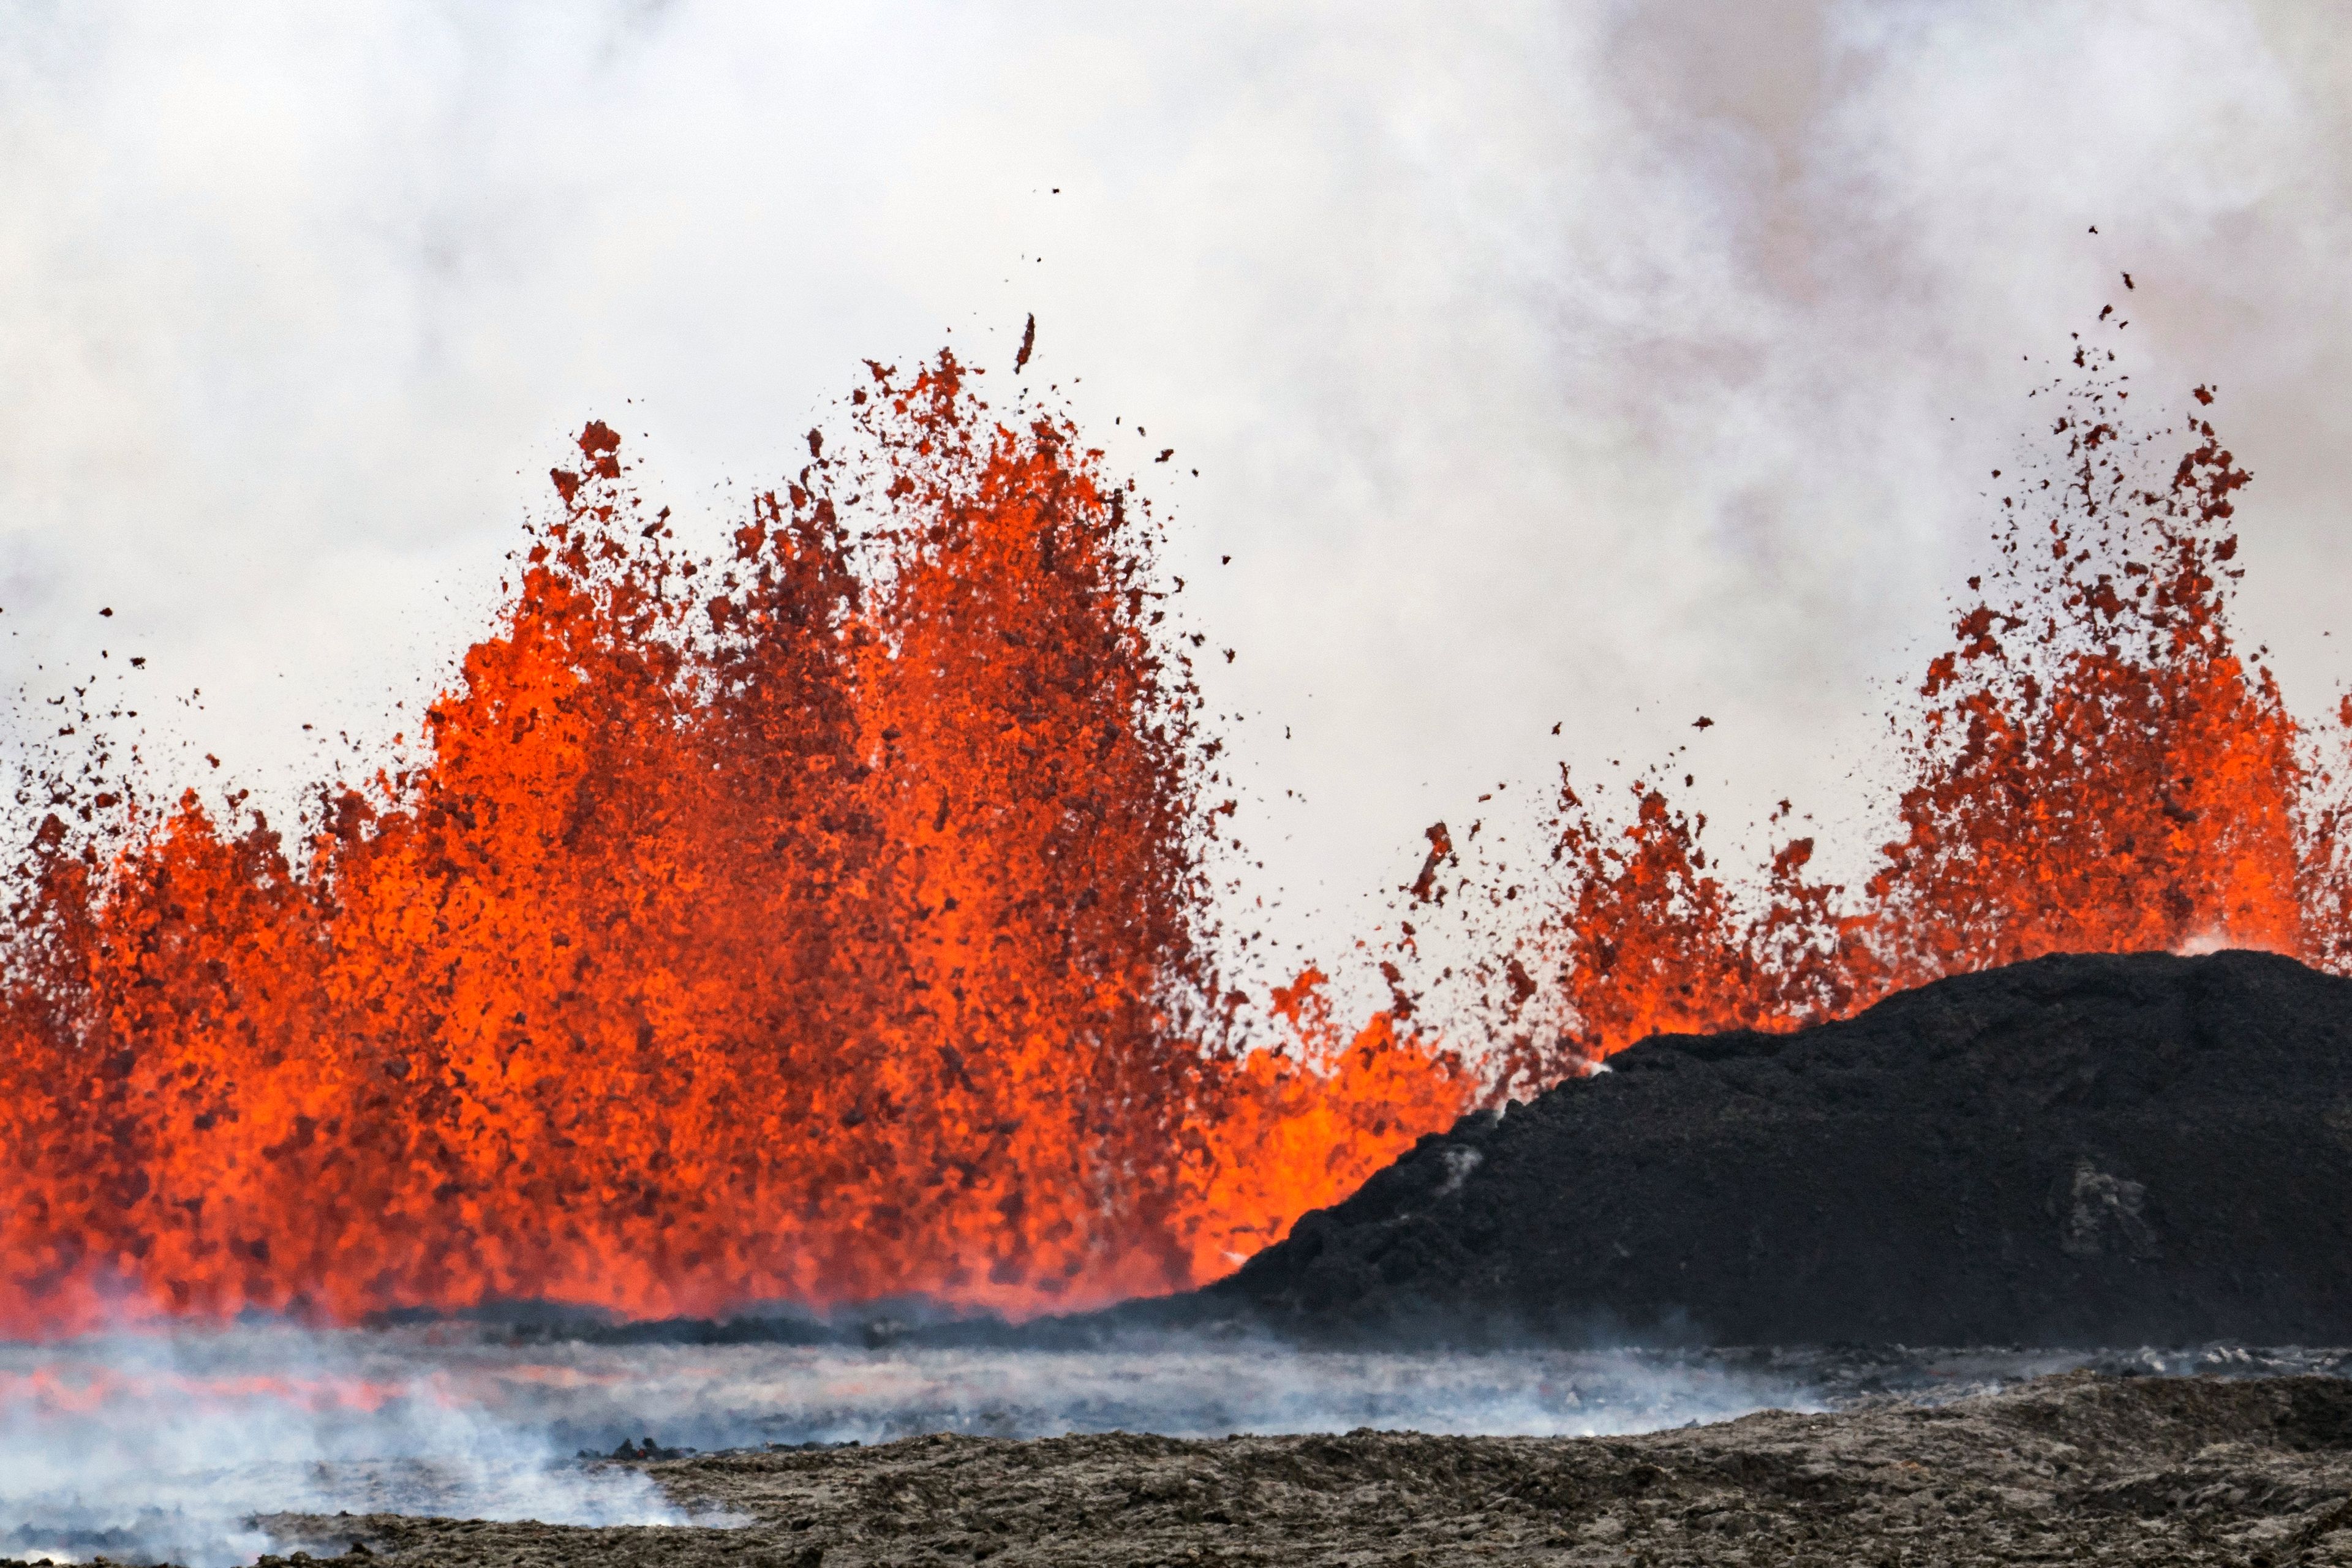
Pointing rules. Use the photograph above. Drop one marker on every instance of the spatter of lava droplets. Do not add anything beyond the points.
(822, 924)
(2091, 767)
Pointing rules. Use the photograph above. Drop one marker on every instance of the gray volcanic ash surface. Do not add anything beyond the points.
(2078, 1468)
(2076, 1150)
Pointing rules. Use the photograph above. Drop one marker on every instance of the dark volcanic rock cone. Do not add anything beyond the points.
(2074, 1151)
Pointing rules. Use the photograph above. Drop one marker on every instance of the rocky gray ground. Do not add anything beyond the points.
(2081, 1467)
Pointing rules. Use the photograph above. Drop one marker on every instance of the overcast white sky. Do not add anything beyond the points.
(1593, 363)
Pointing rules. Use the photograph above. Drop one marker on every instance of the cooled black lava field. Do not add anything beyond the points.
(2077, 1151)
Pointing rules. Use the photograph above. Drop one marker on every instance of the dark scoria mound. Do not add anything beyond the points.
(2139, 1149)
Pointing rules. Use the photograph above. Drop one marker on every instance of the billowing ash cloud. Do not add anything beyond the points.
(1599, 366)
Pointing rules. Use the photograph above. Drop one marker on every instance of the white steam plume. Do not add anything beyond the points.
(1598, 364)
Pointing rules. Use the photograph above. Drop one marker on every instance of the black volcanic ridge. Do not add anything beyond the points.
(2126, 1149)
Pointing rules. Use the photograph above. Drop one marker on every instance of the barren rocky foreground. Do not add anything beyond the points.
(2075, 1468)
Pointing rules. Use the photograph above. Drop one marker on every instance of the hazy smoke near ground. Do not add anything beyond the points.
(1596, 365)
(148, 1446)
(144, 1448)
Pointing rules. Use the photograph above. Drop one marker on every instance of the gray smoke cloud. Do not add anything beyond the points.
(1597, 364)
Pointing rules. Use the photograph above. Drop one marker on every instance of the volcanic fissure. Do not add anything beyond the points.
(830, 919)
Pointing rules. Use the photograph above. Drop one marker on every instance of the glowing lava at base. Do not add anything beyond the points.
(823, 923)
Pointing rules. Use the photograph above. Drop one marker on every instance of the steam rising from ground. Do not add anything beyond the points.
(151, 1447)
(144, 1448)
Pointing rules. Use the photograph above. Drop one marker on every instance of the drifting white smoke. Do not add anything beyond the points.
(1596, 365)
(153, 1447)
(185, 1447)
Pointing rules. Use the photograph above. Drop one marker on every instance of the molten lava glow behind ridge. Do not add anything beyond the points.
(2091, 767)
(831, 922)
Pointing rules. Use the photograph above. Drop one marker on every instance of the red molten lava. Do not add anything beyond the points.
(2093, 767)
(823, 923)
(830, 922)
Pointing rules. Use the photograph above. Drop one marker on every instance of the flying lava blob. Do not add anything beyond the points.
(825, 922)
